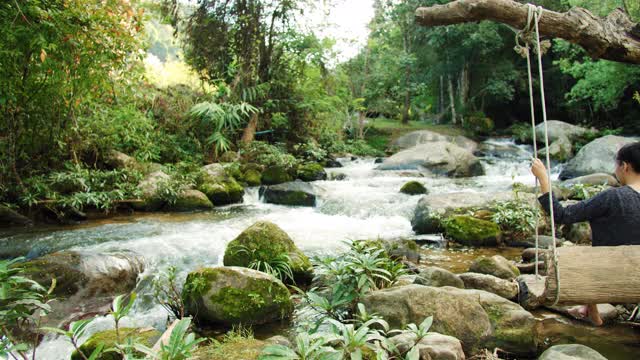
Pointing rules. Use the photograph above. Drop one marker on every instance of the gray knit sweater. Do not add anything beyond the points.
(614, 215)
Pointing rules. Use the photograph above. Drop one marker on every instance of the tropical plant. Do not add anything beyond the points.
(585, 191)
(180, 346)
(307, 347)
(516, 217)
(167, 292)
(76, 331)
(275, 264)
(120, 307)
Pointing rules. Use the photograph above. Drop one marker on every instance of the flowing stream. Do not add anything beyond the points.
(366, 205)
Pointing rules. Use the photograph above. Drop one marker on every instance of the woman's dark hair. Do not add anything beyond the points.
(630, 154)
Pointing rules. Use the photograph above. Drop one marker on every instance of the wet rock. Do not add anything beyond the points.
(433, 346)
(560, 150)
(220, 187)
(530, 254)
(571, 352)
(295, 193)
(497, 322)
(252, 177)
(9, 217)
(578, 233)
(378, 161)
(595, 157)
(470, 231)
(438, 277)
(530, 268)
(421, 137)
(266, 241)
(339, 177)
(86, 275)
(608, 312)
(403, 249)
(274, 175)
(150, 188)
(190, 200)
(531, 291)
(108, 338)
(496, 265)
(311, 172)
(413, 188)
(439, 158)
(332, 163)
(559, 129)
(503, 288)
(592, 179)
(235, 295)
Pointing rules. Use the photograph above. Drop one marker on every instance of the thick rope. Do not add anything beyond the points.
(534, 13)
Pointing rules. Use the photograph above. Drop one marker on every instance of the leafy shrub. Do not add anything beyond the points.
(265, 154)
(522, 133)
(309, 151)
(167, 293)
(515, 217)
(478, 123)
(277, 265)
(584, 191)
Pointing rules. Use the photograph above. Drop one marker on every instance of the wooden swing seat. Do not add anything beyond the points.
(594, 275)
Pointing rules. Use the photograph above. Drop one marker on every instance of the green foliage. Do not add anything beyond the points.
(478, 123)
(120, 307)
(274, 264)
(265, 154)
(180, 346)
(516, 217)
(591, 135)
(585, 191)
(310, 151)
(167, 293)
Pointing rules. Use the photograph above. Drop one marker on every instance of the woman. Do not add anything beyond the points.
(614, 214)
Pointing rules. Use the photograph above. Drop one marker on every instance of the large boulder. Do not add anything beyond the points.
(496, 265)
(88, 275)
(413, 188)
(560, 150)
(118, 160)
(295, 193)
(595, 157)
(592, 179)
(433, 346)
(235, 295)
(109, 339)
(558, 129)
(440, 158)
(438, 277)
(311, 172)
(503, 288)
(420, 137)
(478, 318)
(265, 241)
(220, 187)
(432, 208)
(274, 175)
(571, 352)
(9, 217)
(150, 189)
(190, 200)
(470, 231)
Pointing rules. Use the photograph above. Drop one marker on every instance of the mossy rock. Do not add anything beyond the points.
(275, 175)
(235, 295)
(295, 193)
(228, 157)
(496, 265)
(64, 266)
(147, 337)
(265, 241)
(150, 188)
(413, 188)
(190, 200)
(252, 177)
(9, 217)
(220, 187)
(234, 170)
(311, 172)
(438, 277)
(470, 231)
(235, 348)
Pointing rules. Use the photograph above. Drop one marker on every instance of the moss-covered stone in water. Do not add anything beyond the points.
(252, 177)
(311, 172)
(190, 200)
(236, 349)
(496, 265)
(413, 188)
(223, 191)
(233, 295)
(470, 231)
(147, 337)
(64, 266)
(275, 175)
(509, 334)
(266, 241)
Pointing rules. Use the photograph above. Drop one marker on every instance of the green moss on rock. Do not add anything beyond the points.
(266, 241)
(190, 200)
(235, 348)
(311, 172)
(413, 188)
(252, 177)
(64, 266)
(496, 265)
(470, 231)
(275, 175)
(147, 337)
(223, 191)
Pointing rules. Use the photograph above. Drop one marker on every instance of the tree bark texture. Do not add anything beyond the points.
(614, 37)
(250, 131)
(452, 101)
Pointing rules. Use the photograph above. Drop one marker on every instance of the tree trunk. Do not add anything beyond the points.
(361, 119)
(464, 85)
(452, 101)
(614, 37)
(250, 131)
(441, 94)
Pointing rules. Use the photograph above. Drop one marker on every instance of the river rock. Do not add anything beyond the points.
(311, 172)
(496, 266)
(235, 295)
(501, 150)
(438, 277)
(9, 217)
(571, 352)
(529, 254)
(266, 241)
(295, 193)
(220, 187)
(595, 157)
(531, 291)
(413, 188)
(87, 275)
(433, 346)
(118, 160)
(274, 175)
(504, 288)
(592, 179)
(150, 188)
(578, 233)
(559, 129)
(478, 318)
(608, 312)
(560, 150)
(544, 241)
(108, 338)
(190, 200)
(432, 208)
(403, 249)
(440, 158)
(420, 137)
(470, 231)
